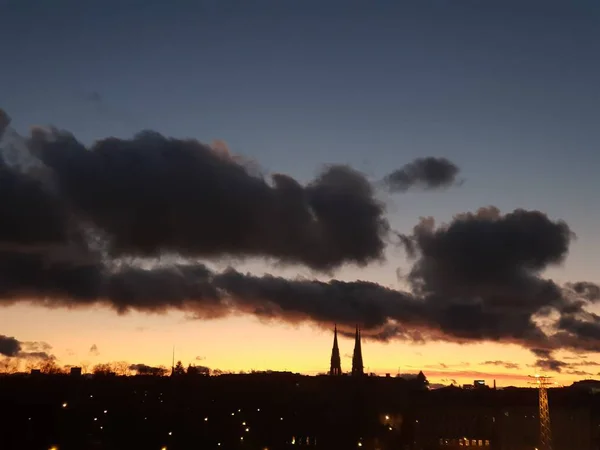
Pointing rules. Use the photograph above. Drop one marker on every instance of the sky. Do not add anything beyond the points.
(505, 90)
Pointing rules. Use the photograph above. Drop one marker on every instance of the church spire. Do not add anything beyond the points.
(357, 360)
(336, 365)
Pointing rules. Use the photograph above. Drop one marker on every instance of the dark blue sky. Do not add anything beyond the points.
(506, 89)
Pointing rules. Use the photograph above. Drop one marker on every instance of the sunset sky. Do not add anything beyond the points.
(506, 90)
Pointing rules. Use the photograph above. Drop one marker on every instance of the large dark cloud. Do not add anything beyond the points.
(152, 195)
(423, 173)
(477, 278)
(484, 271)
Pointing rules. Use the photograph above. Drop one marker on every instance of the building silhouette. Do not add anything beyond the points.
(357, 359)
(336, 365)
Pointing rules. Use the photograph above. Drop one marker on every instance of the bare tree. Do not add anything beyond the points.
(50, 367)
(102, 369)
(121, 368)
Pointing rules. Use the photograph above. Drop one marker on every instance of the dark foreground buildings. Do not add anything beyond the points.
(283, 411)
(280, 411)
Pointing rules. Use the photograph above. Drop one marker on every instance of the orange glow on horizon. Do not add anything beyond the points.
(243, 344)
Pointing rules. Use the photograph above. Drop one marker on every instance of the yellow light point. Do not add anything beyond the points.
(64, 405)
(360, 444)
(54, 447)
(244, 423)
(105, 411)
(206, 419)
(387, 417)
(170, 433)
(163, 448)
(247, 429)
(242, 438)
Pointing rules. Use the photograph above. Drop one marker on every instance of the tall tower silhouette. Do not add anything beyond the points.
(357, 360)
(336, 364)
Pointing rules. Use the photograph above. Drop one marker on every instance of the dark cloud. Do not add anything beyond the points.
(505, 364)
(590, 291)
(4, 122)
(152, 195)
(483, 272)
(11, 347)
(424, 173)
(200, 358)
(100, 219)
(94, 350)
(551, 364)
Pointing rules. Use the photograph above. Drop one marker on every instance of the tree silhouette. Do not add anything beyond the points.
(50, 367)
(198, 370)
(102, 369)
(178, 369)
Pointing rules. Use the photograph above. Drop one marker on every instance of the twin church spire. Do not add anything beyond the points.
(357, 361)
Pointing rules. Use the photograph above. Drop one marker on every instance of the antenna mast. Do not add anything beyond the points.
(542, 383)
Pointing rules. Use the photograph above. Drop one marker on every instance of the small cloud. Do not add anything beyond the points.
(33, 346)
(200, 358)
(94, 350)
(505, 364)
(425, 173)
(579, 373)
(93, 97)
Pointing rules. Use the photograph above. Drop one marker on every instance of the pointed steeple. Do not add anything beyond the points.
(336, 365)
(357, 360)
